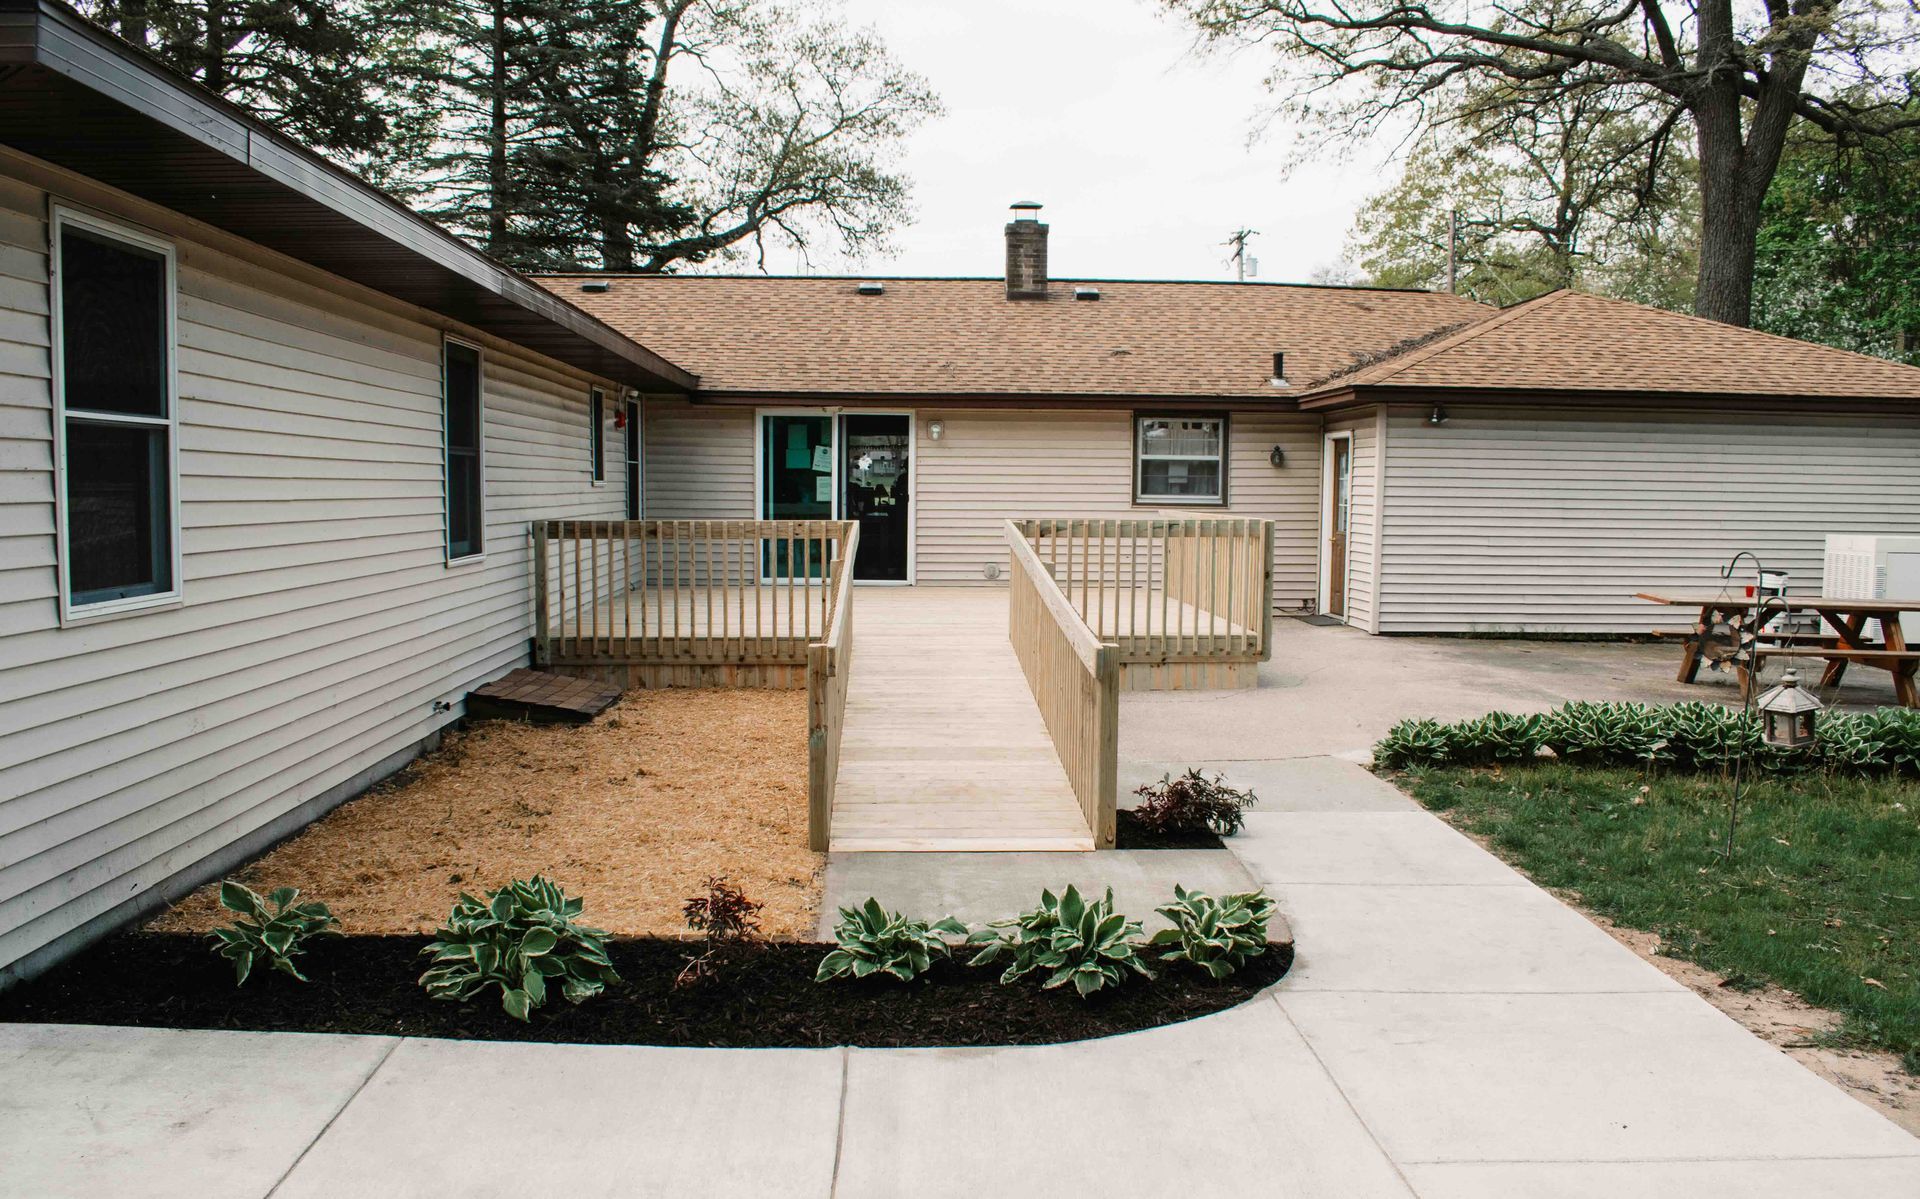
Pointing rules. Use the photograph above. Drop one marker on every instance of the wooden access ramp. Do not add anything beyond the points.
(943, 747)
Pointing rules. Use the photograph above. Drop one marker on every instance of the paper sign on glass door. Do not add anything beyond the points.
(823, 489)
(822, 458)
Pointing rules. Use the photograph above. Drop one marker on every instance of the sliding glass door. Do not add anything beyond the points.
(854, 467)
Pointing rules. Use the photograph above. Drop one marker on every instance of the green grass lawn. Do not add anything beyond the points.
(1822, 895)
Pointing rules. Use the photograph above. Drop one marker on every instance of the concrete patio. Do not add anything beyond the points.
(1335, 690)
(1449, 1030)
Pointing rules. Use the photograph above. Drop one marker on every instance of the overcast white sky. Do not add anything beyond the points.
(1096, 109)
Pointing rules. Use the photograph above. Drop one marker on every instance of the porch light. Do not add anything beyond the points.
(1278, 457)
(1789, 714)
(936, 428)
(1438, 416)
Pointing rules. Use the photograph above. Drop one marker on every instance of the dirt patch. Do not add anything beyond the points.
(631, 812)
(1783, 1019)
(1773, 1014)
(761, 995)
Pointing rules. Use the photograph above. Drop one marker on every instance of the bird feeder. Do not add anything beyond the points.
(1788, 714)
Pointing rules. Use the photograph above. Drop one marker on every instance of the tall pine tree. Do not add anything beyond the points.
(341, 76)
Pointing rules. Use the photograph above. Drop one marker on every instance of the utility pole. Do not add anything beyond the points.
(1453, 237)
(1238, 241)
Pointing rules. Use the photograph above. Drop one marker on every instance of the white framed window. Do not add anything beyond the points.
(116, 416)
(1179, 459)
(463, 431)
(597, 435)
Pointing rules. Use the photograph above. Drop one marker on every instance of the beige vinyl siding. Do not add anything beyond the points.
(1363, 515)
(995, 464)
(699, 461)
(992, 465)
(1504, 520)
(320, 622)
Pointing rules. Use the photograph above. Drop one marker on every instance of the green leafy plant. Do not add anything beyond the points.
(1414, 743)
(1217, 935)
(1192, 803)
(873, 940)
(522, 939)
(1686, 736)
(1068, 939)
(275, 936)
(1499, 737)
(1602, 734)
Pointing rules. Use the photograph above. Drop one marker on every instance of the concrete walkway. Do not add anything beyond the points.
(1449, 1031)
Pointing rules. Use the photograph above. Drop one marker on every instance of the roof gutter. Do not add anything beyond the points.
(1534, 397)
(74, 95)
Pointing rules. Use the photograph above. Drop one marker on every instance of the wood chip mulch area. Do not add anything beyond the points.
(631, 812)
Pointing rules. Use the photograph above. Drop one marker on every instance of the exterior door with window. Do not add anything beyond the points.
(874, 487)
(1340, 513)
(855, 467)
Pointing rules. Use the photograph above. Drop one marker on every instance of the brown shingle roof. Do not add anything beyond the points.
(814, 335)
(1569, 342)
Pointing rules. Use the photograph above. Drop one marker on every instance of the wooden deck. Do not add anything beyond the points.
(943, 747)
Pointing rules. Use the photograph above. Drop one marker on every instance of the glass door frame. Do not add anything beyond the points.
(839, 482)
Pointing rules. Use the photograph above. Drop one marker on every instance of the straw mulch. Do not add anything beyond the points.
(631, 812)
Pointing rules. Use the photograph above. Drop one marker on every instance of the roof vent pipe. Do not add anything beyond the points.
(1026, 253)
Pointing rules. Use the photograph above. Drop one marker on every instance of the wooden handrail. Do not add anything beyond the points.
(701, 593)
(1167, 589)
(829, 663)
(1075, 680)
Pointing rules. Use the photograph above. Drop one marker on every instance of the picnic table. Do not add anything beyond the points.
(1850, 643)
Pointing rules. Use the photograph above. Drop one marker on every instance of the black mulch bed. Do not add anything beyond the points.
(1129, 833)
(764, 995)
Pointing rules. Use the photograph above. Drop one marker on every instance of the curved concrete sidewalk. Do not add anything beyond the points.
(1449, 1030)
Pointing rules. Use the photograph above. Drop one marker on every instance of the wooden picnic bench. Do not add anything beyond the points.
(1850, 643)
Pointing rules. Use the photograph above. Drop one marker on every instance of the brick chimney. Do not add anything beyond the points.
(1026, 253)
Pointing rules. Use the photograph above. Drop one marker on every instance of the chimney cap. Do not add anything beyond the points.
(1025, 210)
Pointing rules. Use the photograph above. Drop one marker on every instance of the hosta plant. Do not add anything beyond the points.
(1498, 737)
(522, 939)
(1598, 734)
(872, 940)
(1217, 935)
(275, 935)
(1067, 939)
(1415, 743)
(1192, 803)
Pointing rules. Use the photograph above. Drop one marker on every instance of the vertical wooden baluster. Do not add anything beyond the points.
(759, 626)
(573, 536)
(1166, 584)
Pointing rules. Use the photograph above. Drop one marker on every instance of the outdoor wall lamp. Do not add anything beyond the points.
(936, 428)
(1438, 416)
(1278, 457)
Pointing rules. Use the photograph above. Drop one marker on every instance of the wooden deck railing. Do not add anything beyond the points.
(829, 662)
(687, 592)
(648, 603)
(1166, 589)
(1075, 679)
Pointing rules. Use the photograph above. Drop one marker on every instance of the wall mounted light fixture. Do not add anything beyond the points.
(1278, 457)
(1438, 416)
(936, 429)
